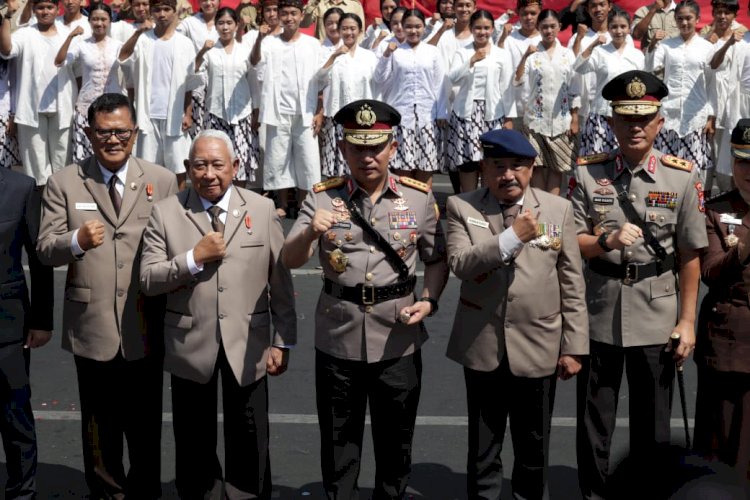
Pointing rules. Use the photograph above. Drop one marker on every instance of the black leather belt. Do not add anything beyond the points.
(367, 295)
(632, 272)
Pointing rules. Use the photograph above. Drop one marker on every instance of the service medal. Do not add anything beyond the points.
(556, 243)
(249, 224)
(731, 239)
(149, 192)
(338, 260)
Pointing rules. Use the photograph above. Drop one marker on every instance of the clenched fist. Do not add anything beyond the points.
(525, 226)
(90, 235)
(321, 222)
(210, 248)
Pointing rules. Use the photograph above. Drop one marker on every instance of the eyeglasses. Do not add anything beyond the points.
(120, 133)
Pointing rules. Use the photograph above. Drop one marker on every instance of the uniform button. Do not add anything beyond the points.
(339, 243)
(221, 316)
(120, 293)
(327, 310)
(368, 309)
(175, 275)
(120, 265)
(221, 289)
(396, 236)
(368, 276)
(632, 197)
(667, 288)
(629, 254)
(118, 236)
(372, 249)
(713, 309)
(373, 221)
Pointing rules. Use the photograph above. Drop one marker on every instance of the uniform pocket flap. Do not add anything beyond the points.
(663, 286)
(178, 320)
(76, 294)
(259, 319)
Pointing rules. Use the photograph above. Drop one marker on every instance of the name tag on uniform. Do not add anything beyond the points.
(730, 219)
(86, 206)
(478, 222)
(601, 200)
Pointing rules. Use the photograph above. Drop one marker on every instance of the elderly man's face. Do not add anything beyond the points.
(112, 136)
(507, 178)
(211, 168)
(368, 164)
(636, 134)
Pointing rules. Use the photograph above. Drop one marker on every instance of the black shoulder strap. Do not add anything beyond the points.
(391, 256)
(632, 216)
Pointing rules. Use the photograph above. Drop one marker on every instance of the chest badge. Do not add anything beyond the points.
(338, 260)
(403, 220)
(661, 199)
(399, 204)
(731, 239)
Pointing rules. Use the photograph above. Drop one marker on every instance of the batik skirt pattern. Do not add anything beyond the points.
(81, 145)
(331, 160)
(419, 148)
(463, 143)
(9, 154)
(597, 136)
(693, 147)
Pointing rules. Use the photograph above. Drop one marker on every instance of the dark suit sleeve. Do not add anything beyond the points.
(716, 262)
(42, 284)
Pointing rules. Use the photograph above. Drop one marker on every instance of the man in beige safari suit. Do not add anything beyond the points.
(521, 319)
(370, 229)
(93, 217)
(214, 249)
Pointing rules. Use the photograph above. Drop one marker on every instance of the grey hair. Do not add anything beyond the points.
(213, 134)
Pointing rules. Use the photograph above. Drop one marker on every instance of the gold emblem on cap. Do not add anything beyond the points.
(365, 116)
(636, 88)
(746, 135)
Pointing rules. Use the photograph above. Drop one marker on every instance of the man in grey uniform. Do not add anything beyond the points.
(370, 229)
(640, 224)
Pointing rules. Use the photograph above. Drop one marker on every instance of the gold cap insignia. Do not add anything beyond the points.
(746, 135)
(365, 116)
(636, 88)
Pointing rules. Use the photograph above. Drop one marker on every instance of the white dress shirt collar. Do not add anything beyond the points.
(223, 203)
(121, 173)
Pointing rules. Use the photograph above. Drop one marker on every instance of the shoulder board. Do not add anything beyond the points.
(591, 159)
(420, 186)
(327, 184)
(678, 163)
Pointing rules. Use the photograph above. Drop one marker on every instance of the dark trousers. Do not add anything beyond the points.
(343, 388)
(248, 464)
(650, 372)
(17, 422)
(722, 417)
(492, 397)
(121, 399)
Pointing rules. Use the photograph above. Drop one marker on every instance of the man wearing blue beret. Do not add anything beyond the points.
(521, 321)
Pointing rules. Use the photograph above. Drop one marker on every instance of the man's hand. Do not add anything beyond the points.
(525, 226)
(210, 248)
(448, 24)
(624, 237)
(208, 46)
(277, 361)
(76, 32)
(317, 123)
(263, 30)
(392, 46)
(37, 338)
(684, 331)
(147, 25)
(321, 222)
(187, 121)
(90, 235)
(568, 366)
(581, 30)
(413, 314)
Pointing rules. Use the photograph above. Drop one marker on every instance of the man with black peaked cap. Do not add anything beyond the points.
(722, 352)
(640, 224)
(370, 228)
(513, 335)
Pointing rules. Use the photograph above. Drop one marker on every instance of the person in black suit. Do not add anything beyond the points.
(24, 324)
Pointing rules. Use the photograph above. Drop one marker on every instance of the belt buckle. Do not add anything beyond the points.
(631, 273)
(368, 301)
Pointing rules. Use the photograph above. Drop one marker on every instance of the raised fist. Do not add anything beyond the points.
(90, 235)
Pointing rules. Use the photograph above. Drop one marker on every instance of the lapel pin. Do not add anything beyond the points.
(149, 191)
(248, 224)
(236, 212)
(133, 186)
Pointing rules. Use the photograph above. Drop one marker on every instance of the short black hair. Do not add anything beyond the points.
(106, 103)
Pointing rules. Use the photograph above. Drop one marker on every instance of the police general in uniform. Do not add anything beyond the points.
(513, 336)
(722, 352)
(370, 229)
(640, 226)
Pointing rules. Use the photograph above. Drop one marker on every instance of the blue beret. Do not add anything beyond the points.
(505, 143)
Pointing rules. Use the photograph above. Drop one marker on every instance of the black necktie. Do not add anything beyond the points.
(216, 223)
(114, 194)
(510, 212)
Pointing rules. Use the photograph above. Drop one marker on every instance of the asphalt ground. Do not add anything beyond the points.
(439, 452)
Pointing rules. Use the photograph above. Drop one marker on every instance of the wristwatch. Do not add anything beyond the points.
(433, 303)
(602, 242)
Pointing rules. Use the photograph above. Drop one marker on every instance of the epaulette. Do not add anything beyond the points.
(678, 163)
(408, 181)
(592, 159)
(327, 184)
